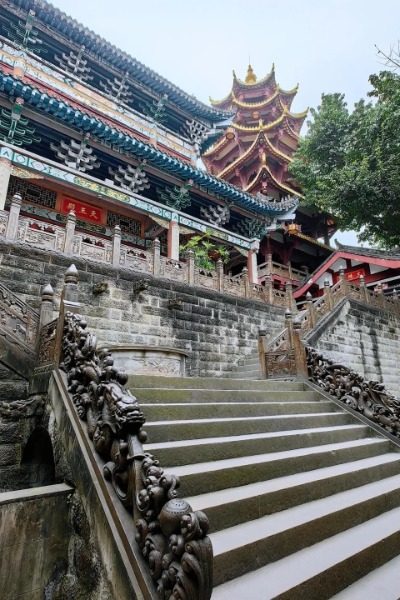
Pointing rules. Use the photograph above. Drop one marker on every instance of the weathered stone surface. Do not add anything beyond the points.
(214, 329)
(366, 340)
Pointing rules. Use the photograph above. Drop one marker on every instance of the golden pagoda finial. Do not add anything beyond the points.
(250, 77)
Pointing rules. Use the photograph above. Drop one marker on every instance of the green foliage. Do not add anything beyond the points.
(349, 162)
(204, 251)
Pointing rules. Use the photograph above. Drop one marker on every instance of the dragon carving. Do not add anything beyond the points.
(173, 539)
(370, 398)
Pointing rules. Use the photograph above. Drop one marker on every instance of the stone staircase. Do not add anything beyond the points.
(248, 368)
(303, 499)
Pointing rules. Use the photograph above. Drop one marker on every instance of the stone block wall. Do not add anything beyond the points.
(215, 330)
(365, 339)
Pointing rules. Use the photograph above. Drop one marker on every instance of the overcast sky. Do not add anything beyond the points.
(324, 45)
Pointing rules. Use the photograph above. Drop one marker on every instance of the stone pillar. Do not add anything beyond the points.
(190, 265)
(252, 261)
(300, 356)
(220, 275)
(269, 289)
(364, 290)
(173, 240)
(69, 232)
(311, 310)
(290, 302)
(12, 223)
(71, 278)
(262, 348)
(269, 263)
(156, 256)
(46, 306)
(343, 281)
(327, 293)
(116, 246)
(289, 326)
(245, 279)
(5, 172)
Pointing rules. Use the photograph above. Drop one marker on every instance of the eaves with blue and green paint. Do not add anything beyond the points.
(57, 20)
(78, 119)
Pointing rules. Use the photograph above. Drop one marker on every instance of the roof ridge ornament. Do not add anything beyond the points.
(251, 77)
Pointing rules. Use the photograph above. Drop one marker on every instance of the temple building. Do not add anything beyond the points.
(254, 153)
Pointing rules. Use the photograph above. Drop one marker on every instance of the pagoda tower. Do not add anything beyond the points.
(256, 148)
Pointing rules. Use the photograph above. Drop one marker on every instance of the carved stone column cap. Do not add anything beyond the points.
(288, 314)
(117, 229)
(71, 274)
(327, 283)
(309, 296)
(47, 292)
(16, 199)
(71, 216)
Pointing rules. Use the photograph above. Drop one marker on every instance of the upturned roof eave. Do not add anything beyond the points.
(85, 122)
(53, 17)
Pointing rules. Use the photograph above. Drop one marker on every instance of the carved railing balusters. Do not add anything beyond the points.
(173, 539)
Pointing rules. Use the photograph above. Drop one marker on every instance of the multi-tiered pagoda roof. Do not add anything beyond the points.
(257, 146)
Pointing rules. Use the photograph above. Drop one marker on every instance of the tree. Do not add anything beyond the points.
(348, 164)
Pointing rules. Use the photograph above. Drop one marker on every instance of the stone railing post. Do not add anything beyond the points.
(289, 327)
(190, 266)
(328, 293)
(46, 306)
(300, 356)
(245, 279)
(69, 232)
(116, 246)
(220, 275)
(343, 281)
(364, 290)
(252, 261)
(68, 303)
(156, 251)
(262, 349)
(13, 216)
(173, 240)
(290, 301)
(269, 289)
(310, 309)
(269, 263)
(5, 172)
(380, 296)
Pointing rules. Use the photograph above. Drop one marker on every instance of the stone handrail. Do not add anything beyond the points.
(369, 398)
(112, 250)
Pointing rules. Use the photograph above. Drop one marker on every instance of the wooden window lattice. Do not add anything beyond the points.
(32, 193)
(127, 224)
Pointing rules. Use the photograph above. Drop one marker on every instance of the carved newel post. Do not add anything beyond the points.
(300, 355)
(328, 294)
(156, 249)
(13, 216)
(269, 289)
(116, 246)
(343, 281)
(69, 232)
(289, 326)
(70, 291)
(290, 301)
(46, 306)
(364, 290)
(311, 309)
(220, 275)
(69, 303)
(245, 279)
(262, 349)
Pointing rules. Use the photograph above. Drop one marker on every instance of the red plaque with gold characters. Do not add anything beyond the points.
(83, 211)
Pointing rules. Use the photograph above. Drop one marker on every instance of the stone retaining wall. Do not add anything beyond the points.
(214, 329)
(365, 339)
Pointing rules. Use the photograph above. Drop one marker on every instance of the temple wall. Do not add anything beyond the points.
(214, 329)
(365, 339)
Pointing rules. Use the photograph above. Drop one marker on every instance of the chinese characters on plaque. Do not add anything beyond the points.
(83, 211)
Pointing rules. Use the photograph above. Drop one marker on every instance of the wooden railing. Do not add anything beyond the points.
(287, 272)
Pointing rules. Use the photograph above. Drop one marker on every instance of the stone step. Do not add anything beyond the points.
(382, 583)
(213, 383)
(246, 374)
(199, 478)
(189, 451)
(174, 430)
(239, 549)
(323, 569)
(160, 395)
(202, 410)
(230, 507)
